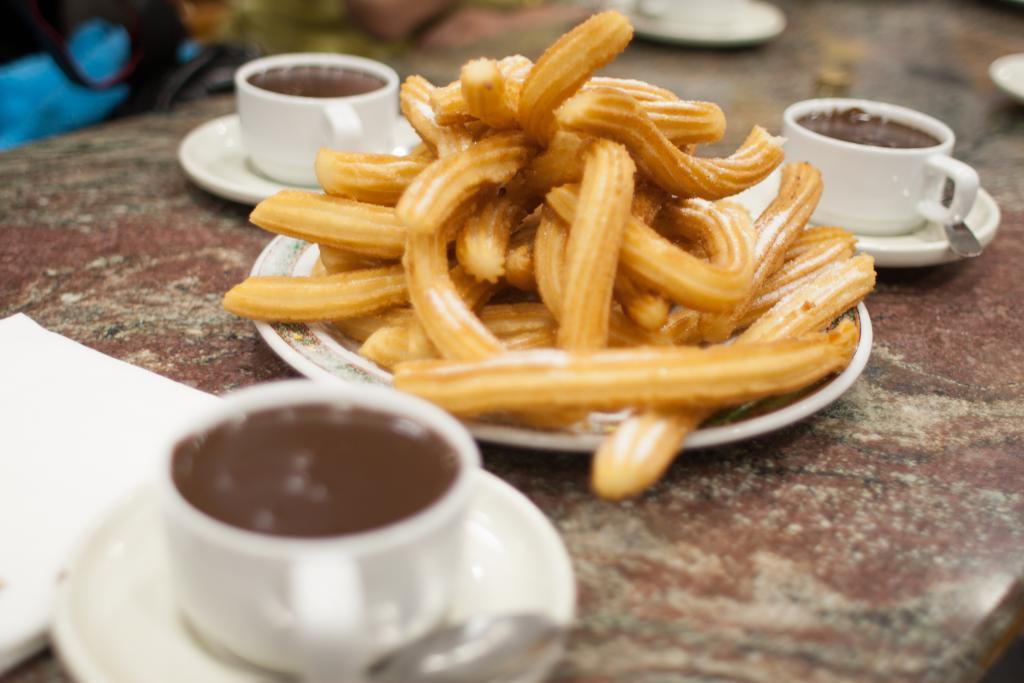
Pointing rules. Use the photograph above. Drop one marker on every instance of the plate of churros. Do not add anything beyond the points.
(557, 265)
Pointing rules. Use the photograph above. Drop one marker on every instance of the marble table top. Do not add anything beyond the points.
(880, 540)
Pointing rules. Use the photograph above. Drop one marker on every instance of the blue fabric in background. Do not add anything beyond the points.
(36, 98)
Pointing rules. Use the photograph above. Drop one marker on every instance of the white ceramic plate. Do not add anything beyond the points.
(926, 246)
(116, 622)
(1008, 73)
(758, 23)
(213, 156)
(319, 352)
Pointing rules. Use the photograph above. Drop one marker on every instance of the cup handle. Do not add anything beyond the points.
(965, 188)
(345, 126)
(325, 591)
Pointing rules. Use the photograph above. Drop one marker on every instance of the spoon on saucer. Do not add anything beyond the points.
(486, 649)
(962, 240)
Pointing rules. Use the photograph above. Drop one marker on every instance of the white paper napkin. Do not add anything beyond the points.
(78, 430)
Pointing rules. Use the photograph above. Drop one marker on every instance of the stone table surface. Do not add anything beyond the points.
(880, 540)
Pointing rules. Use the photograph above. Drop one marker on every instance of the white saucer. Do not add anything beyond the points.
(213, 157)
(116, 622)
(1008, 73)
(926, 246)
(759, 23)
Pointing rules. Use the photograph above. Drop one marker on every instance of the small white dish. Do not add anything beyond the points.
(116, 621)
(319, 352)
(1008, 73)
(925, 246)
(213, 157)
(758, 22)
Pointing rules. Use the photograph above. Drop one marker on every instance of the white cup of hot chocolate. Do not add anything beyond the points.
(312, 527)
(292, 105)
(885, 167)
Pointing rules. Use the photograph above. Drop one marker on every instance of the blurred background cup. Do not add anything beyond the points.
(282, 133)
(882, 191)
(318, 606)
(697, 11)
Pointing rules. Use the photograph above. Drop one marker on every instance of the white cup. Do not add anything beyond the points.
(695, 11)
(322, 608)
(879, 190)
(283, 133)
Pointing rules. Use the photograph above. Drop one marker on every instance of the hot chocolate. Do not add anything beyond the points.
(314, 470)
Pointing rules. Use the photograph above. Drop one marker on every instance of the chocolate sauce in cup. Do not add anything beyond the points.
(856, 125)
(314, 470)
(315, 80)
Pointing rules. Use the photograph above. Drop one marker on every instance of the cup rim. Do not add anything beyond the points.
(898, 112)
(312, 392)
(380, 69)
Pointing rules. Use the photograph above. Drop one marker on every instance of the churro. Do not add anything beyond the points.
(482, 243)
(613, 379)
(335, 260)
(776, 228)
(448, 321)
(595, 235)
(372, 178)
(414, 99)
(483, 87)
(447, 184)
(808, 262)
(656, 262)
(366, 229)
(612, 114)
(310, 299)
(629, 462)
(566, 65)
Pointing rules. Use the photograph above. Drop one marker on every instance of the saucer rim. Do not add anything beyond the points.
(211, 182)
(83, 664)
(675, 33)
(1012, 88)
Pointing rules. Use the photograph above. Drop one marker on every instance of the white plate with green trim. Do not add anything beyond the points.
(320, 352)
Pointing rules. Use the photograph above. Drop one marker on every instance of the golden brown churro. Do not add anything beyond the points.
(483, 87)
(643, 446)
(308, 299)
(335, 260)
(796, 271)
(360, 327)
(657, 263)
(645, 307)
(566, 65)
(372, 178)
(613, 379)
(447, 184)
(366, 229)
(448, 321)
(606, 195)
(414, 98)
(482, 244)
(612, 114)
(776, 228)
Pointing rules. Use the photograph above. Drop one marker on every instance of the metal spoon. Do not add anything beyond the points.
(961, 239)
(485, 649)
